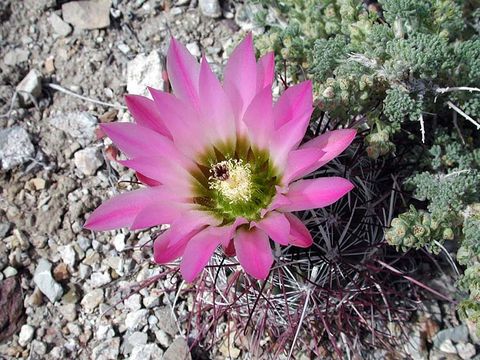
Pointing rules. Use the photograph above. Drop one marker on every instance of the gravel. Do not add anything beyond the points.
(15, 147)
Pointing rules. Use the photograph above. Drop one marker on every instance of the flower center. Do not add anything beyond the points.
(232, 179)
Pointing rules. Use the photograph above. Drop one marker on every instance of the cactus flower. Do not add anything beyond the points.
(222, 163)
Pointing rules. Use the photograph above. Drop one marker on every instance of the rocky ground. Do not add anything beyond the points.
(65, 292)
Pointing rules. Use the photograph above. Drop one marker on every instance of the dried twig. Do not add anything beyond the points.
(461, 112)
(458, 88)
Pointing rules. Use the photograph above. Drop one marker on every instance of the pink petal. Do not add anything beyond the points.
(146, 114)
(171, 244)
(215, 105)
(299, 162)
(288, 137)
(158, 213)
(299, 234)
(121, 210)
(259, 118)
(146, 180)
(135, 140)
(333, 143)
(296, 101)
(240, 80)
(166, 171)
(254, 252)
(265, 71)
(182, 121)
(183, 72)
(200, 249)
(276, 226)
(279, 200)
(316, 193)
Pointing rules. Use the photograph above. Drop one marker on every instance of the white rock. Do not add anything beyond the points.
(45, 282)
(448, 347)
(119, 242)
(210, 8)
(138, 338)
(466, 351)
(59, 26)
(145, 70)
(124, 48)
(79, 125)
(151, 301)
(10, 271)
(178, 351)
(133, 302)
(163, 338)
(136, 319)
(107, 350)
(15, 147)
(98, 279)
(194, 49)
(16, 56)
(105, 332)
(30, 86)
(92, 299)
(146, 352)
(26, 335)
(245, 18)
(69, 256)
(88, 160)
(87, 14)
(84, 271)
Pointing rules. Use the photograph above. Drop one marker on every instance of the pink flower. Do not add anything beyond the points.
(222, 163)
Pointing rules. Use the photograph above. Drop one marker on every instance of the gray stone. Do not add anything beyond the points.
(178, 351)
(16, 56)
(210, 8)
(466, 350)
(44, 280)
(194, 49)
(59, 26)
(119, 242)
(87, 15)
(163, 338)
(105, 332)
(79, 125)
(166, 321)
(146, 352)
(15, 147)
(145, 70)
(456, 334)
(136, 319)
(133, 302)
(88, 160)
(245, 17)
(447, 347)
(69, 256)
(26, 335)
(107, 350)
(98, 279)
(68, 311)
(10, 271)
(30, 86)
(38, 348)
(92, 299)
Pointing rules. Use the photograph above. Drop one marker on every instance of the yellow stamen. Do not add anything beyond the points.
(232, 179)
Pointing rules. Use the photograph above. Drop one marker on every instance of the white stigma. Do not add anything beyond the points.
(232, 179)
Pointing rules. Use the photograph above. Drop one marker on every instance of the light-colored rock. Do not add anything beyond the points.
(105, 331)
(133, 302)
(16, 56)
(178, 351)
(466, 350)
(87, 15)
(163, 338)
(44, 280)
(30, 87)
(98, 279)
(15, 147)
(210, 8)
(245, 17)
(145, 70)
(119, 242)
(194, 49)
(136, 319)
(447, 347)
(92, 299)
(146, 352)
(166, 321)
(59, 26)
(88, 160)
(79, 125)
(107, 350)
(9, 272)
(456, 334)
(69, 256)
(26, 335)
(124, 48)
(68, 311)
